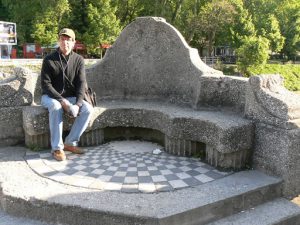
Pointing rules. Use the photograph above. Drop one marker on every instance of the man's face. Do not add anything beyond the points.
(66, 44)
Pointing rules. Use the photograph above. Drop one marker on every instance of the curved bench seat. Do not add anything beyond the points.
(227, 136)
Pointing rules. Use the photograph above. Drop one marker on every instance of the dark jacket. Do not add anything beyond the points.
(53, 82)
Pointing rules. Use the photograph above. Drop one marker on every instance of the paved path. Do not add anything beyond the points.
(127, 166)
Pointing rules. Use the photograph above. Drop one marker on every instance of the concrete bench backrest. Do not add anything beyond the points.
(150, 60)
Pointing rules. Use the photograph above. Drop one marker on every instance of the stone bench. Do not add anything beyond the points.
(225, 138)
(152, 85)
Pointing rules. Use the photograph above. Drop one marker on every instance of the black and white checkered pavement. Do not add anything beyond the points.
(127, 166)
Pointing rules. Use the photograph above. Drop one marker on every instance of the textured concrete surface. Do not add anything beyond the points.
(126, 166)
(150, 60)
(6, 219)
(277, 152)
(269, 102)
(24, 193)
(279, 212)
(225, 131)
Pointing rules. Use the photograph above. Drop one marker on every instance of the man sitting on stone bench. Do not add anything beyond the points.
(63, 84)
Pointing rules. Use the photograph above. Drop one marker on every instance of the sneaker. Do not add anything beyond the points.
(59, 155)
(73, 149)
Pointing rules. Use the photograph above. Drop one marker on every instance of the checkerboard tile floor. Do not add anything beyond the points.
(126, 166)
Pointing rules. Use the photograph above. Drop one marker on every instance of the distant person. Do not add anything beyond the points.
(63, 83)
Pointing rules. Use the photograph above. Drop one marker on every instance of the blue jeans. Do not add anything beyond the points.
(56, 122)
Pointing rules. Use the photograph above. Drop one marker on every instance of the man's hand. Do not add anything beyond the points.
(74, 110)
(65, 104)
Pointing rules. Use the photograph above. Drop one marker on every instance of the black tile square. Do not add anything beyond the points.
(192, 181)
(154, 172)
(193, 173)
(109, 173)
(170, 177)
(214, 175)
(117, 179)
(131, 174)
(145, 179)
(176, 170)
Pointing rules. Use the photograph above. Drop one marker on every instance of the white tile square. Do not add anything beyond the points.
(170, 166)
(158, 178)
(147, 187)
(98, 171)
(184, 163)
(112, 168)
(131, 180)
(178, 184)
(152, 168)
(80, 173)
(104, 178)
(203, 178)
(201, 170)
(120, 174)
(79, 167)
(143, 173)
(185, 168)
(113, 186)
(166, 172)
(141, 165)
(183, 175)
(132, 169)
(94, 166)
(81, 161)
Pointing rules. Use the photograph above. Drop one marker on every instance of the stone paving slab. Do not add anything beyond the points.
(127, 166)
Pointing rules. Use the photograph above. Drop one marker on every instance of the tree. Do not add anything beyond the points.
(212, 19)
(48, 22)
(266, 22)
(22, 13)
(127, 10)
(102, 25)
(253, 52)
(241, 27)
(288, 14)
(4, 15)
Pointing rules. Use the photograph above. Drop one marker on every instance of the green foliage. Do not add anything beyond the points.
(46, 25)
(288, 14)
(203, 23)
(290, 73)
(252, 53)
(103, 26)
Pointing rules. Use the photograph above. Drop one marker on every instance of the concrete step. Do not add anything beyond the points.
(26, 194)
(277, 212)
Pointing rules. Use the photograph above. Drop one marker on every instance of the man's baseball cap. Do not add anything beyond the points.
(68, 32)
